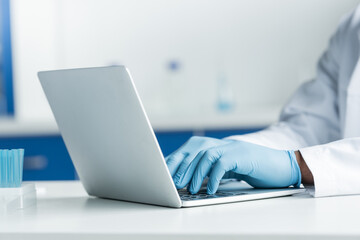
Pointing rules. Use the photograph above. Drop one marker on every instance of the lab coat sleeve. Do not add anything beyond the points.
(335, 167)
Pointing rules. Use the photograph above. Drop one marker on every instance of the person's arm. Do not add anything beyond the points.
(306, 175)
(311, 123)
(267, 158)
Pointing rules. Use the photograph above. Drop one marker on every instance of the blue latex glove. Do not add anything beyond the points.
(180, 162)
(259, 166)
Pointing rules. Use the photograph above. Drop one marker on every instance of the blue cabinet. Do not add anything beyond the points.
(169, 141)
(46, 157)
(229, 132)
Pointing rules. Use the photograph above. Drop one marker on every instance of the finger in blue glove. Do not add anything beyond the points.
(182, 163)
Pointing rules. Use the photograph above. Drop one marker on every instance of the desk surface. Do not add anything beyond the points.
(64, 211)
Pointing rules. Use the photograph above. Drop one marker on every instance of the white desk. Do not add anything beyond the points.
(64, 211)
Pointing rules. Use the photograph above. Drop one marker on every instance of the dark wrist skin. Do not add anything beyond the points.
(306, 175)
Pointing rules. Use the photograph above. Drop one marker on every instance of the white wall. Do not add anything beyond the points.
(266, 48)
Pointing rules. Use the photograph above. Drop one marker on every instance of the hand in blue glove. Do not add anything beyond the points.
(259, 166)
(180, 163)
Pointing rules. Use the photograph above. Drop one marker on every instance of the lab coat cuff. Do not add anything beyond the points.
(323, 179)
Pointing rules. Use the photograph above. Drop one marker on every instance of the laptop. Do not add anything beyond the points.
(113, 146)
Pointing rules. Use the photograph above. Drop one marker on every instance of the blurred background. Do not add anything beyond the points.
(204, 67)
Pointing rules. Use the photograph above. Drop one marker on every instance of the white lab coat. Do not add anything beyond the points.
(322, 119)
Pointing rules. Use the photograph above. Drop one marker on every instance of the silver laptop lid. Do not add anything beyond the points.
(108, 135)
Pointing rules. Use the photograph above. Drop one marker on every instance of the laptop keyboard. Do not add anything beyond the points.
(186, 196)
